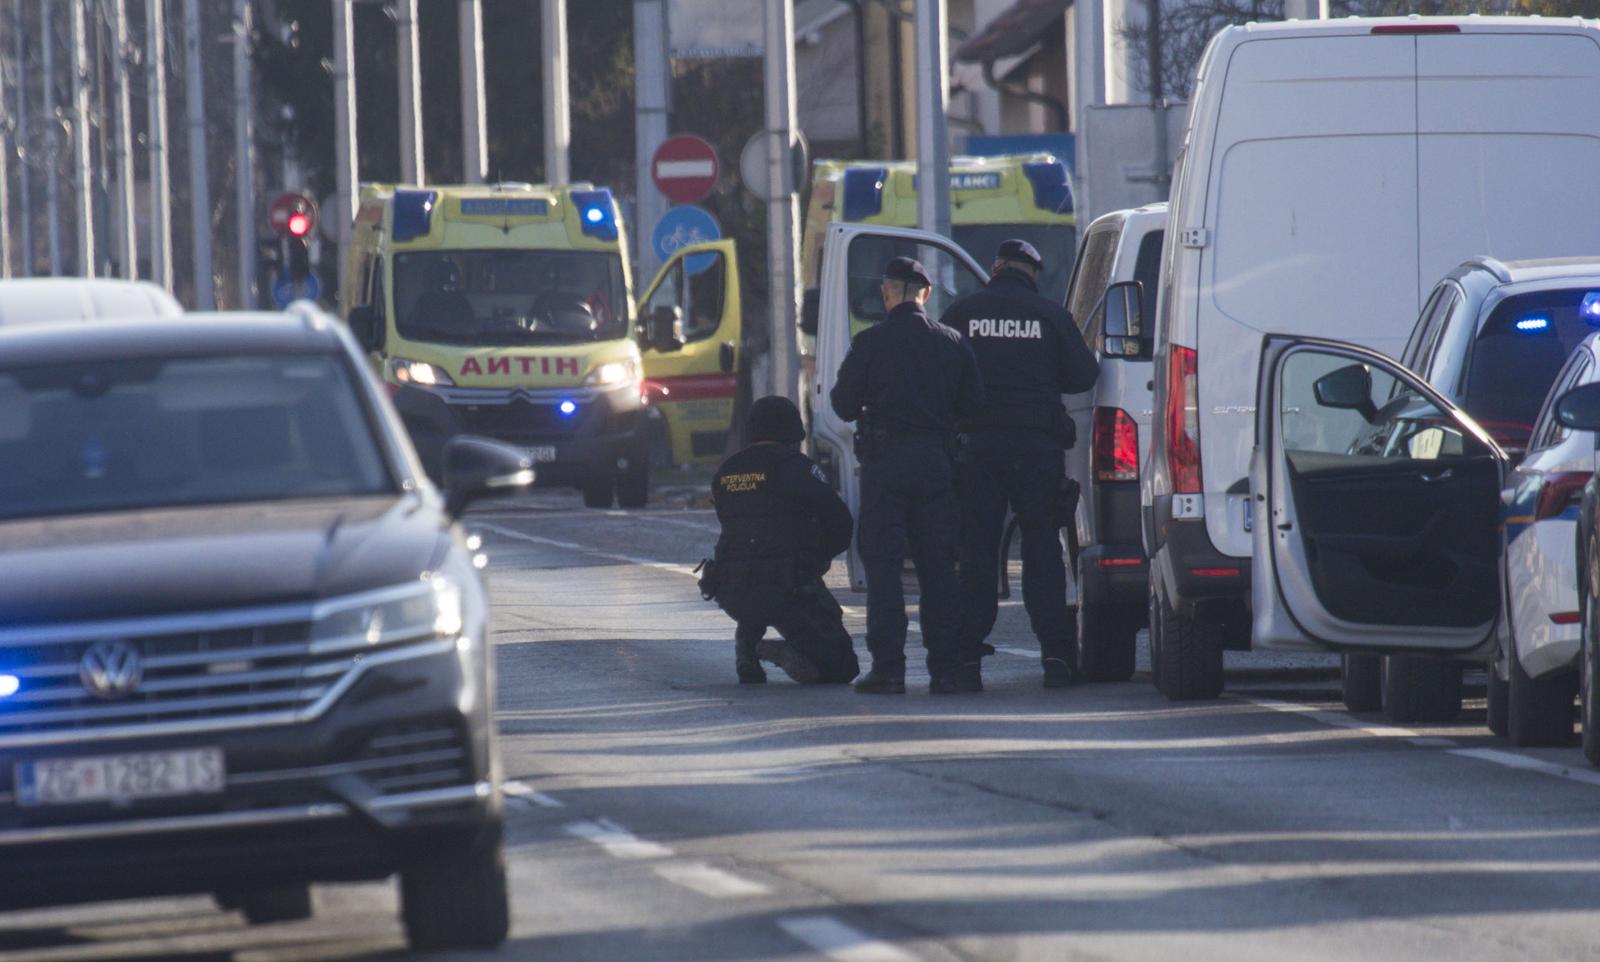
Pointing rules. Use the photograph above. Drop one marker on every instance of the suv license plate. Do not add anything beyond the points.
(543, 454)
(119, 778)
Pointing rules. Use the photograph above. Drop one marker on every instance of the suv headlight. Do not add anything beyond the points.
(431, 608)
(420, 373)
(613, 374)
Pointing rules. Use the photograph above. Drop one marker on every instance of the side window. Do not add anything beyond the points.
(1419, 333)
(870, 253)
(1147, 271)
(1333, 405)
(1092, 275)
(375, 295)
(1437, 325)
(1548, 432)
(666, 293)
(702, 313)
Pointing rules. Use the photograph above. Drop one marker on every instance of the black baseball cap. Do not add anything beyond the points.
(1020, 251)
(908, 270)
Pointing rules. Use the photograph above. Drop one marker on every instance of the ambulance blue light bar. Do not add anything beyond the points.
(1052, 189)
(413, 214)
(1534, 324)
(9, 685)
(1590, 308)
(597, 213)
(863, 192)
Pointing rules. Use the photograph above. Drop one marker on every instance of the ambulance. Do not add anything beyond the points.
(507, 310)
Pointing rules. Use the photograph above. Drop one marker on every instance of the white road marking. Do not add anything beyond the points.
(1513, 760)
(527, 793)
(1009, 650)
(838, 941)
(572, 546)
(711, 881)
(616, 840)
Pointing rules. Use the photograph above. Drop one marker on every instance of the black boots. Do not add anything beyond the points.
(963, 678)
(1058, 673)
(883, 681)
(786, 656)
(749, 669)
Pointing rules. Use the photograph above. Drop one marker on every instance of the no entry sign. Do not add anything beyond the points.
(685, 169)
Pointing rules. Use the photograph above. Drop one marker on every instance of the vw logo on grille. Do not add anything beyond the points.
(111, 668)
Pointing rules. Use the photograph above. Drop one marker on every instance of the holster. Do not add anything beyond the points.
(710, 572)
(870, 439)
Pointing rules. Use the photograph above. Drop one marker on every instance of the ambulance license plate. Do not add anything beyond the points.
(120, 778)
(543, 454)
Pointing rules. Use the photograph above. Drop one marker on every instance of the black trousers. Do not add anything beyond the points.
(807, 616)
(908, 509)
(1024, 470)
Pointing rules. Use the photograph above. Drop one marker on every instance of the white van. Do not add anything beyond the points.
(1330, 173)
(34, 300)
(1113, 427)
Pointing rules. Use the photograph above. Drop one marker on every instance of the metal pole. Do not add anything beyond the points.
(156, 138)
(412, 166)
(1305, 9)
(52, 180)
(24, 187)
(83, 207)
(652, 101)
(557, 110)
(783, 204)
(127, 241)
(344, 124)
(7, 138)
(205, 281)
(244, 153)
(933, 102)
(474, 146)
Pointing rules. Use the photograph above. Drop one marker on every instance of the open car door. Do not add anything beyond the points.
(691, 320)
(853, 258)
(1375, 508)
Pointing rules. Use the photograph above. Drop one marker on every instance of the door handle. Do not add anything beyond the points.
(1436, 478)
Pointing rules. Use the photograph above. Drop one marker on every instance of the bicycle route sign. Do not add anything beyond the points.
(684, 226)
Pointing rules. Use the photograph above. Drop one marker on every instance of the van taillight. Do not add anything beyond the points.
(1116, 445)
(1558, 492)
(1183, 420)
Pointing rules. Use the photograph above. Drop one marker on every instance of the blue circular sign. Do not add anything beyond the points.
(685, 226)
(285, 291)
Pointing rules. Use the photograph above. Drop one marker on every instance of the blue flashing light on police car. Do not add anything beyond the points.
(567, 407)
(1534, 324)
(9, 685)
(1590, 308)
(596, 213)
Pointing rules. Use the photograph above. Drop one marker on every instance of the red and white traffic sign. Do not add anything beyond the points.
(292, 214)
(685, 168)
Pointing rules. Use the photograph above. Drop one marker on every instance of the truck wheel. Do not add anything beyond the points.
(598, 492)
(1189, 666)
(1539, 711)
(459, 899)
(1108, 636)
(285, 903)
(633, 484)
(1499, 694)
(1361, 681)
(1589, 697)
(1417, 688)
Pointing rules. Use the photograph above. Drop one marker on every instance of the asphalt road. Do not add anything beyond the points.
(663, 812)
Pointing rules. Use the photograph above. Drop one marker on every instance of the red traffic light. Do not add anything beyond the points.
(292, 215)
(299, 224)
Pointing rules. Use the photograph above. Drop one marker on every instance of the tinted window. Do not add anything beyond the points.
(1419, 332)
(1547, 431)
(1521, 347)
(130, 435)
(509, 296)
(1093, 273)
(870, 253)
(1147, 271)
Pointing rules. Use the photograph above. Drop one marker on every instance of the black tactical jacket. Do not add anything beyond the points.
(776, 505)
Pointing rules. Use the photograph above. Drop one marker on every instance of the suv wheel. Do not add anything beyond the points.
(1361, 681)
(1417, 688)
(1539, 711)
(1108, 639)
(458, 899)
(1189, 664)
(284, 903)
(1589, 693)
(597, 492)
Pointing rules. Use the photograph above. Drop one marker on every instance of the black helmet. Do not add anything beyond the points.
(775, 418)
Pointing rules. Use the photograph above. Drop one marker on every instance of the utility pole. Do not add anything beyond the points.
(52, 179)
(652, 97)
(8, 136)
(24, 187)
(474, 145)
(127, 242)
(783, 203)
(557, 110)
(933, 101)
(156, 139)
(344, 125)
(84, 199)
(244, 154)
(1305, 9)
(412, 165)
(205, 281)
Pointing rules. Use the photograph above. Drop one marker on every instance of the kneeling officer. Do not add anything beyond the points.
(782, 525)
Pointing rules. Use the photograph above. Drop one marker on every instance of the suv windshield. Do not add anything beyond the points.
(509, 297)
(149, 433)
(1056, 243)
(1519, 350)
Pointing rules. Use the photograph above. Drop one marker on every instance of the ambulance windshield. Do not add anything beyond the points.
(1056, 243)
(509, 297)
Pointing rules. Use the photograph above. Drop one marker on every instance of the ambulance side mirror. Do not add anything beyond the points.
(1121, 316)
(664, 329)
(367, 326)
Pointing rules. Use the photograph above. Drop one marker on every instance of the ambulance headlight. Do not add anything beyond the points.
(613, 374)
(419, 373)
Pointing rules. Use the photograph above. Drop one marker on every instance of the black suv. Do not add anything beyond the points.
(243, 644)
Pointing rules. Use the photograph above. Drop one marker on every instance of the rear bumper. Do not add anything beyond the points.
(1189, 565)
(1114, 574)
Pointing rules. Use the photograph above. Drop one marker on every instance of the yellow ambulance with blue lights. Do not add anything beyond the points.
(507, 311)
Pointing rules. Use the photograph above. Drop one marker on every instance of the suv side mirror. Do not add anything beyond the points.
(1579, 408)
(1122, 322)
(663, 329)
(810, 309)
(477, 467)
(367, 326)
(1348, 389)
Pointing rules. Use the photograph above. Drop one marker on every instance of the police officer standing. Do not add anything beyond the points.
(905, 382)
(782, 525)
(1013, 452)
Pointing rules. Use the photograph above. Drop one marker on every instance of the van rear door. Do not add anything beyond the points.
(1508, 147)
